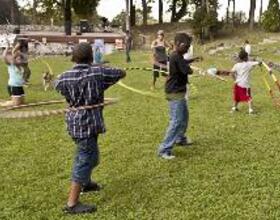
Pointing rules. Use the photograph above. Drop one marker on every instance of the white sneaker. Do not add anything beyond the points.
(251, 111)
(189, 141)
(234, 109)
(167, 156)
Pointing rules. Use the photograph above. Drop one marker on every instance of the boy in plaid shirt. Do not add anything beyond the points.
(84, 85)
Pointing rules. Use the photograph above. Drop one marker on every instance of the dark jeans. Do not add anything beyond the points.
(86, 158)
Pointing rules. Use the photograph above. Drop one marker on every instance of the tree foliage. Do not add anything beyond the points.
(205, 19)
(85, 8)
(271, 17)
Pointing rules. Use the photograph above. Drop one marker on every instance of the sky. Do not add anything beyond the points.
(110, 8)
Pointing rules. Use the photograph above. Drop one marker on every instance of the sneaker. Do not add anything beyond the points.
(186, 142)
(91, 187)
(79, 208)
(251, 111)
(234, 109)
(167, 156)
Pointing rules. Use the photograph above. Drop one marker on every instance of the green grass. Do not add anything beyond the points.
(232, 171)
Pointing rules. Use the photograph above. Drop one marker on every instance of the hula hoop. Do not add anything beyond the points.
(8, 113)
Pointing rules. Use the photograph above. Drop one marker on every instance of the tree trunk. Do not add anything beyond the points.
(13, 14)
(228, 5)
(233, 12)
(68, 17)
(252, 14)
(160, 11)
(261, 11)
(127, 17)
(34, 11)
(145, 12)
(176, 16)
(132, 14)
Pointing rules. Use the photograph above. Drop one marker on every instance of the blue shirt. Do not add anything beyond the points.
(82, 86)
(15, 76)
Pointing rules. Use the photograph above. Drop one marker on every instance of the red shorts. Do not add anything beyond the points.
(241, 94)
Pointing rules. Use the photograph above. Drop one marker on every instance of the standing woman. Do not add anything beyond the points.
(160, 47)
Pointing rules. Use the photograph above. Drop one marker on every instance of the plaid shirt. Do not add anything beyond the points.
(84, 85)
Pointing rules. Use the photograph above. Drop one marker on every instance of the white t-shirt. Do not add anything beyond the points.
(248, 49)
(242, 73)
(189, 54)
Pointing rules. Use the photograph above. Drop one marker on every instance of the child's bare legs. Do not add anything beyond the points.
(15, 101)
(235, 107)
(250, 105)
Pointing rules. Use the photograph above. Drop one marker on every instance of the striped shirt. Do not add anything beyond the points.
(84, 85)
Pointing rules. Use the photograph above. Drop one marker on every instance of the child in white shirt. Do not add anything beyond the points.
(241, 74)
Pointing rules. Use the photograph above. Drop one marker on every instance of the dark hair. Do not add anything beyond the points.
(82, 53)
(246, 42)
(243, 55)
(182, 38)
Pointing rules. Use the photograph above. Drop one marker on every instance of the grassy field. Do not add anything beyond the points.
(231, 172)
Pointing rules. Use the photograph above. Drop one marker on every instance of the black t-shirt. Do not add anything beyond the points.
(179, 70)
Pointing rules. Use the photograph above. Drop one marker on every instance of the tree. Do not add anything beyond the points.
(127, 17)
(252, 13)
(132, 13)
(67, 17)
(85, 8)
(271, 17)
(160, 11)
(233, 12)
(261, 11)
(34, 11)
(176, 15)
(205, 19)
(145, 12)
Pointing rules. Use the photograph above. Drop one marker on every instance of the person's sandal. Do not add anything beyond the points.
(91, 187)
(79, 208)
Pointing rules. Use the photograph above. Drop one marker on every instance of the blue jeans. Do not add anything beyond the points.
(86, 158)
(178, 124)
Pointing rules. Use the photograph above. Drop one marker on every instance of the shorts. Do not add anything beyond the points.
(86, 159)
(15, 91)
(241, 94)
(157, 67)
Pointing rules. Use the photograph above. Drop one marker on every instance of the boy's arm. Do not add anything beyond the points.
(183, 66)
(195, 59)
(111, 76)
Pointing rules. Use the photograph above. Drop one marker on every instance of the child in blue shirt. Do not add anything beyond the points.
(97, 56)
(16, 81)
